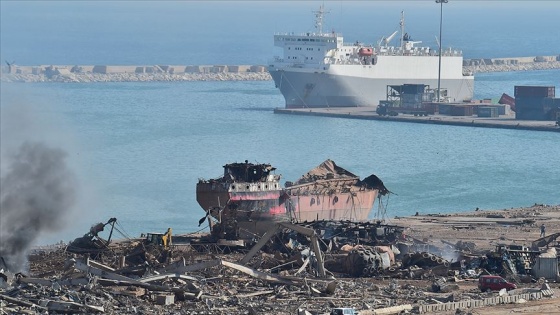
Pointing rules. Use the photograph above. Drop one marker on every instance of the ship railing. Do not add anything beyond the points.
(446, 53)
(310, 34)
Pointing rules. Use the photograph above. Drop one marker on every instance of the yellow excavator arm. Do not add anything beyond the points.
(167, 239)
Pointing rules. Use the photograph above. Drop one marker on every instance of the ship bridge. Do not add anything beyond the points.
(306, 48)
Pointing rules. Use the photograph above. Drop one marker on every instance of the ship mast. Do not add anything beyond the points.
(402, 29)
(319, 16)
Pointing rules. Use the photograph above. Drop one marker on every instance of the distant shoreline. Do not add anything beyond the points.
(90, 74)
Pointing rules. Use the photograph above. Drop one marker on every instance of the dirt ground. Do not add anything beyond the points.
(485, 228)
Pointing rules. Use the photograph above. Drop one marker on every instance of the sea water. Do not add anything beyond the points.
(138, 149)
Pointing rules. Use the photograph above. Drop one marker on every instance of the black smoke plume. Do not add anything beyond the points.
(37, 191)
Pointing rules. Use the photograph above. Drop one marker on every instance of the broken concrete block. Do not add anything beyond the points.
(165, 299)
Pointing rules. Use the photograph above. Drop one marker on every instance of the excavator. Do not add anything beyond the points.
(152, 248)
(91, 242)
(159, 239)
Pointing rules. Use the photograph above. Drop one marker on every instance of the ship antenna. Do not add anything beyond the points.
(402, 28)
(319, 16)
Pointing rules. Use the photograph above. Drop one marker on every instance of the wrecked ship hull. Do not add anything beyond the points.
(248, 201)
(306, 205)
(214, 198)
(329, 192)
(245, 201)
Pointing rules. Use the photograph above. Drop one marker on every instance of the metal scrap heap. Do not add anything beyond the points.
(308, 268)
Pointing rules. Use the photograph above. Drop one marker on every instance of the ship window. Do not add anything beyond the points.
(247, 186)
(266, 186)
(289, 48)
(258, 187)
(232, 186)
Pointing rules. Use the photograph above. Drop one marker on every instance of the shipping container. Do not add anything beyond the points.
(413, 88)
(506, 99)
(531, 114)
(444, 108)
(501, 109)
(411, 100)
(461, 110)
(431, 108)
(529, 102)
(552, 102)
(487, 111)
(534, 91)
(546, 267)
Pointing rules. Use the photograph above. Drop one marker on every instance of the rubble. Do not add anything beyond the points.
(308, 268)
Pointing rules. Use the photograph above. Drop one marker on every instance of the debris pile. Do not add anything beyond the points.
(308, 268)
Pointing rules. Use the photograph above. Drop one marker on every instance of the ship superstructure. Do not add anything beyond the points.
(319, 69)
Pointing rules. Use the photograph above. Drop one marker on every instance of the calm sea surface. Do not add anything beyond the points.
(138, 149)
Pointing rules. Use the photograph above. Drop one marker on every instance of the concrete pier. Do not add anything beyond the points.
(368, 113)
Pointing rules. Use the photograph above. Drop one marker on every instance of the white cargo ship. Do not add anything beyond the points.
(319, 70)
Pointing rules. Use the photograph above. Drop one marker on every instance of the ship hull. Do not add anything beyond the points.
(366, 85)
(250, 207)
(212, 197)
(241, 210)
(352, 206)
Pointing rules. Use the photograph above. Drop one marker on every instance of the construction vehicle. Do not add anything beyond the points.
(386, 108)
(159, 239)
(91, 242)
(152, 247)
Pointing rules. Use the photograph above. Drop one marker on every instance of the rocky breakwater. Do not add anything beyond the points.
(511, 64)
(88, 74)
(136, 77)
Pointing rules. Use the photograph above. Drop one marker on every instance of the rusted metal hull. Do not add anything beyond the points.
(352, 206)
(244, 199)
(329, 192)
(213, 197)
(247, 201)
(241, 214)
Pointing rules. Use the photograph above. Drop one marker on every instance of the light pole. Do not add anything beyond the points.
(441, 2)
